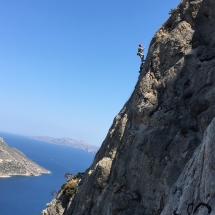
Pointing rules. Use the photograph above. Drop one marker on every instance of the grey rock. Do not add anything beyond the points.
(158, 156)
(194, 191)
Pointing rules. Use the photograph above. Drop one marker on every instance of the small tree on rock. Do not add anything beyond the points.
(68, 175)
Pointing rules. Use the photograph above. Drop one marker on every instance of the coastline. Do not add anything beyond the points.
(27, 174)
(17, 163)
(68, 142)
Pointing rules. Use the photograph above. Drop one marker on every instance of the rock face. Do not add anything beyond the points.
(159, 154)
(14, 162)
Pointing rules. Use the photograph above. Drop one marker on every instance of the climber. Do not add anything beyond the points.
(140, 52)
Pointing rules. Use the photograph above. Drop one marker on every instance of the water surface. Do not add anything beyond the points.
(21, 195)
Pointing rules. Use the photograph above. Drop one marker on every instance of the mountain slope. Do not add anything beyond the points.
(66, 141)
(158, 156)
(14, 162)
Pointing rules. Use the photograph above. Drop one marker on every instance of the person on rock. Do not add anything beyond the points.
(140, 52)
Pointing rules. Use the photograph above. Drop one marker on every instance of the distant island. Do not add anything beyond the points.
(66, 141)
(14, 162)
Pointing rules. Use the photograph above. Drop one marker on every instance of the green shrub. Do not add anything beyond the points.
(77, 176)
(173, 11)
(63, 186)
(69, 188)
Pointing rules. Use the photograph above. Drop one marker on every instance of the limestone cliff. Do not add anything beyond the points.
(14, 162)
(159, 154)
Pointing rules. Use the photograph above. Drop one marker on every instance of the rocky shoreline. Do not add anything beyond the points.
(14, 162)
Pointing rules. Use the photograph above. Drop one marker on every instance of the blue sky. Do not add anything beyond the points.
(68, 67)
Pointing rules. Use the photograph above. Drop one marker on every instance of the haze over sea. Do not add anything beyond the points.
(21, 195)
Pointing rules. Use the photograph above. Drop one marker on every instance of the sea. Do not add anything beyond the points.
(28, 195)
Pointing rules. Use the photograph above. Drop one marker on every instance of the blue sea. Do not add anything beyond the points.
(21, 195)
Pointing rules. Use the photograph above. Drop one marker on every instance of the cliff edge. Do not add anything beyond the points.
(159, 154)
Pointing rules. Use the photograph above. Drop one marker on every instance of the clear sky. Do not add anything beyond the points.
(67, 67)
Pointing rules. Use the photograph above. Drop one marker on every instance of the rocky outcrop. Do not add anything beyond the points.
(158, 156)
(194, 191)
(56, 206)
(14, 162)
